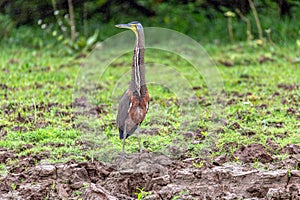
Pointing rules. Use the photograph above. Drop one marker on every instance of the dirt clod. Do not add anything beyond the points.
(97, 192)
(252, 153)
(291, 149)
(155, 174)
(288, 87)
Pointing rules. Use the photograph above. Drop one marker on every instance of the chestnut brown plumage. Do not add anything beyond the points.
(133, 105)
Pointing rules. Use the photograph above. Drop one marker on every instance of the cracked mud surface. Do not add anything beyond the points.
(162, 177)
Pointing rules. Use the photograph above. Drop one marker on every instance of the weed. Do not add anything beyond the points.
(53, 186)
(141, 194)
(289, 174)
(182, 193)
(199, 164)
(3, 170)
(13, 186)
(77, 193)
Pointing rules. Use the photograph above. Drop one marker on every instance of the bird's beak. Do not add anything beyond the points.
(123, 26)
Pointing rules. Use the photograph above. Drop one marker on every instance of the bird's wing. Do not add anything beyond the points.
(123, 114)
(124, 106)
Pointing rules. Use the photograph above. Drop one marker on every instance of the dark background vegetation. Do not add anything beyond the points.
(40, 23)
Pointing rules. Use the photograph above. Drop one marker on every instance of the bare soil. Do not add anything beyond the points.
(162, 177)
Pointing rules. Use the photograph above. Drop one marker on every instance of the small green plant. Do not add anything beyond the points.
(53, 186)
(289, 174)
(77, 193)
(3, 170)
(258, 165)
(268, 32)
(85, 185)
(141, 194)
(236, 159)
(13, 186)
(176, 197)
(229, 16)
(199, 165)
(182, 193)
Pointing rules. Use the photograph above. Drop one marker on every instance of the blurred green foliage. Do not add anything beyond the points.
(6, 24)
(41, 24)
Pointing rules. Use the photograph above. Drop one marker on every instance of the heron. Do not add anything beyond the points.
(133, 105)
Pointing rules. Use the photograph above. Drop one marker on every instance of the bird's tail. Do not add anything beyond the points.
(121, 131)
(122, 134)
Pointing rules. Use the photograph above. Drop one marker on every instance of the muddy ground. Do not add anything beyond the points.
(156, 174)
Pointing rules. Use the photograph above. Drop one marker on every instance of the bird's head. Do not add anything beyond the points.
(136, 27)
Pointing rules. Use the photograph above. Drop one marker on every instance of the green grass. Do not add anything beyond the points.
(36, 104)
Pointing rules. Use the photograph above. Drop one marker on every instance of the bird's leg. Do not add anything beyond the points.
(139, 138)
(124, 138)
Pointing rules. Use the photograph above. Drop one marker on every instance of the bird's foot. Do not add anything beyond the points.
(121, 158)
(123, 155)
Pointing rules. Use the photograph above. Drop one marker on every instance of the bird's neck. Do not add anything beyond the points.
(138, 81)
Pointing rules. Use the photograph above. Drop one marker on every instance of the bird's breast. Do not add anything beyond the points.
(139, 108)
